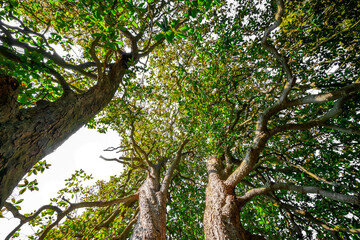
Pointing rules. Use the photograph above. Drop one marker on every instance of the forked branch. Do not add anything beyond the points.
(61, 213)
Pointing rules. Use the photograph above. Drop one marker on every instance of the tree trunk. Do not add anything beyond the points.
(222, 211)
(32, 133)
(151, 224)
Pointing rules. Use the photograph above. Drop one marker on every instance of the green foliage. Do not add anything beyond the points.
(211, 85)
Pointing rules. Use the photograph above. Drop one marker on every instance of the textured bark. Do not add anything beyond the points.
(8, 95)
(32, 133)
(151, 222)
(222, 211)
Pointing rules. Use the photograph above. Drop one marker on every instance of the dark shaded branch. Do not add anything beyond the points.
(62, 214)
(74, 206)
(23, 219)
(342, 129)
(313, 175)
(96, 59)
(15, 58)
(312, 219)
(151, 48)
(54, 57)
(122, 160)
(333, 112)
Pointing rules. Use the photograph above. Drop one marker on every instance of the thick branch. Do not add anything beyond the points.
(333, 112)
(170, 172)
(325, 97)
(74, 206)
(301, 189)
(96, 59)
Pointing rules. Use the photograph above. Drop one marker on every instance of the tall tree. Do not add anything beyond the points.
(269, 95)
(153, 144)
(47, 96)
(271, 89)
(293, 108)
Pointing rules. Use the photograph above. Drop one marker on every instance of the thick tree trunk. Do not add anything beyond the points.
(222, 211)
(34, 132)
(151, 224)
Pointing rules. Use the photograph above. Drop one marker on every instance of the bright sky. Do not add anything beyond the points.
(80, 151)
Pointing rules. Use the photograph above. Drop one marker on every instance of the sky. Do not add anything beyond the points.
(80, 151)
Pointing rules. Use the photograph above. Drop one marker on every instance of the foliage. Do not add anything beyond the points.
(215, 82)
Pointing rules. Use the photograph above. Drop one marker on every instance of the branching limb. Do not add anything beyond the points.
(282, 59)
(290, 216)
(74, 206)
(312, 219)
(52, 56)
(127, 229)
(138, 149)
(313, 175)
(62, 214)
(122, 160)
(15, 58)
(168, 176)
(333, 112)
(301, 189)
(23, 219)
(120, 209)
(147, 51)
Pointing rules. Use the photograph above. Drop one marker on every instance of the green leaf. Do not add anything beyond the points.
(159, 36)
(22, 191)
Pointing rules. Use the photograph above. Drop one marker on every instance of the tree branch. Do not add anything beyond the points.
(301, 189)
(283, 60)
(62, 214)
(23, 219)
(325, 97)
(15, 58)
(341, 129)
(309, 217)
(54, 57)
(96, 59)
(334, 111)
(168, 176)
(127, 229)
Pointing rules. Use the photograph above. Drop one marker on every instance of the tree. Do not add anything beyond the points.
(269, 95)
(276, 107)
(47, 96)
(153, 146)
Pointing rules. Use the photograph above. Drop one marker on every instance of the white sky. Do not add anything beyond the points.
(80, 151)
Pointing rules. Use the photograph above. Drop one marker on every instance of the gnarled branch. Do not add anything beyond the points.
(301, 189)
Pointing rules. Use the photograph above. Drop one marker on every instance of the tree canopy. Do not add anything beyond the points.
(242, 123)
